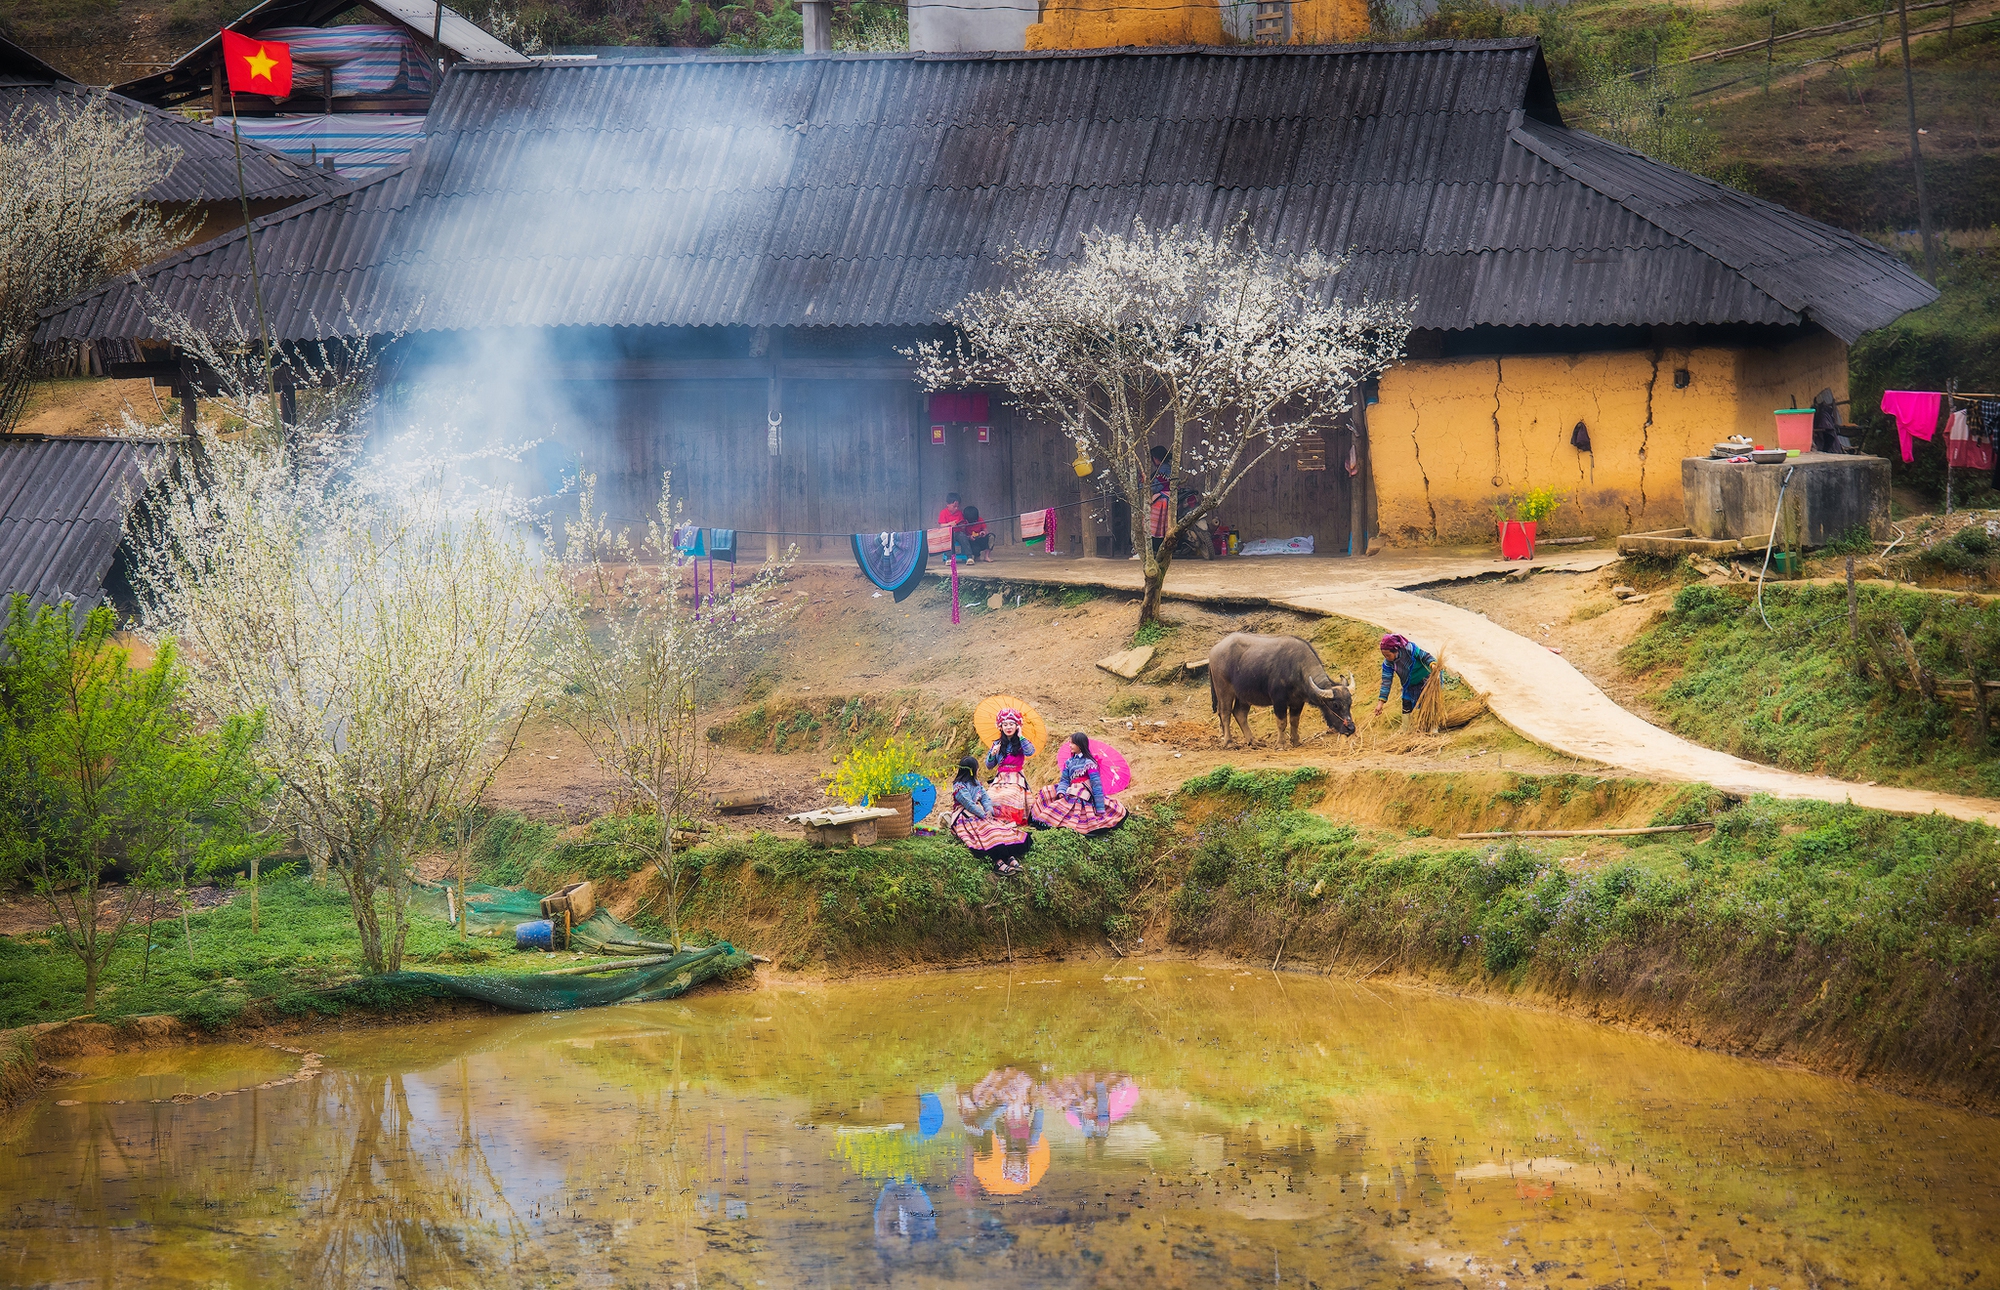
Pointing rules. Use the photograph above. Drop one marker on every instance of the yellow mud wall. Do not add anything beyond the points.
(1452, 439)
(1083, 24)
(1102, 24)
(1769, 379)
(1328, 22)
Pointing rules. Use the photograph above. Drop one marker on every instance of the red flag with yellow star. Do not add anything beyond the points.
(257, 66)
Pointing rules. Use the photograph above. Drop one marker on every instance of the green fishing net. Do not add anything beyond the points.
(668, 980)
(494, 911)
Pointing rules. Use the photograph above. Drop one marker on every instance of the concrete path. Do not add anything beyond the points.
(1530, 688)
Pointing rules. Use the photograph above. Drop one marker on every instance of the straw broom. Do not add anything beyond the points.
(1429, 712)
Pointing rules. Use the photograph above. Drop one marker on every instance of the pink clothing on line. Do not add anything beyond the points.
(1916, 413)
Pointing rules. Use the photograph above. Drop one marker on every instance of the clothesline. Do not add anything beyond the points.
(1001, 519)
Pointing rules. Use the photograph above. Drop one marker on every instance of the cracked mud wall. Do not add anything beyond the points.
(1452, 439)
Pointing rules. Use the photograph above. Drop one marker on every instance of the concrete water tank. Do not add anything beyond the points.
(1830, 494)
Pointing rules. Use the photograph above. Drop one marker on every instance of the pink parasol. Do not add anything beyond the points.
(1111, 767)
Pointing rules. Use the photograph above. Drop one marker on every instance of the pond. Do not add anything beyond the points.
(1155, 1124)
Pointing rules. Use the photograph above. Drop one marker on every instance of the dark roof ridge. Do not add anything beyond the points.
(178, 121)
(18, 62)
(1014, 55)
(1662, 215)
(117, 282)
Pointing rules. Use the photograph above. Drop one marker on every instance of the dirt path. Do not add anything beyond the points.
(1534, 691)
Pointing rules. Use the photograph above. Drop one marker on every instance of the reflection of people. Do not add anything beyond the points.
(904, 1215)
(1007, 756)
(1403, 661)
(1093, 1103)
(1076, 800)
(1006, 1106)
(973, 822)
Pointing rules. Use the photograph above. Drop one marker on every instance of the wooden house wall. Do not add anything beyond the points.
(857, 457)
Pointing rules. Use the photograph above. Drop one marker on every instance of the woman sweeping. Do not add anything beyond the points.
(1009, 753)
(1403, 661)
(1076, 800)
(973, 822)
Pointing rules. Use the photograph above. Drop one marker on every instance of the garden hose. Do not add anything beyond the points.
(1783, 484)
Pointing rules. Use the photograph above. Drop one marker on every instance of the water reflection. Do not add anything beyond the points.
(1173, 1125)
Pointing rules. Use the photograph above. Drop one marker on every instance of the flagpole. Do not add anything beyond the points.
(256, 289)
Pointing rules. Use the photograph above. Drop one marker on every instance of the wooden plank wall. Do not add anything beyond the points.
(857, 458)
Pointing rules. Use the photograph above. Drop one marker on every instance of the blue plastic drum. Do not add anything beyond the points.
(538, 935)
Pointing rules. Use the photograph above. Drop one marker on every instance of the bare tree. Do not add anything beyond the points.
(632, 655)
(383, 620)
(73, 181)
(1226, 350)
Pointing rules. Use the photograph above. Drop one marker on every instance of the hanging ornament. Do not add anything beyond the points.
(1082, 464)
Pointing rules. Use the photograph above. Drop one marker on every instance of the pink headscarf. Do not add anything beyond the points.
(1006, 715)
(1393, 643)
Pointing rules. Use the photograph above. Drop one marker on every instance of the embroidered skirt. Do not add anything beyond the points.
(1009, 791)
(986, 835)
(1055, 809)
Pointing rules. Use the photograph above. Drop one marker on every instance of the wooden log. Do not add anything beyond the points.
(741, 803)
(617, 966)
(1926, 683)
(1587, 833)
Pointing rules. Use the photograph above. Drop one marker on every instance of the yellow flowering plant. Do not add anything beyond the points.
(875, 769)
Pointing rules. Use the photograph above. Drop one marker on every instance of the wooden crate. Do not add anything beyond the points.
(577, 900)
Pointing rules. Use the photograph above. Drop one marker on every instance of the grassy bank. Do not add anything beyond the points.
(1847, 939)
(1795, 694)
(297, 963)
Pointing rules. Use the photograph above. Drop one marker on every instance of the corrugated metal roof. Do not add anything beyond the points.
(189, 74)
(17, 65)
(63, 503)
(205, 170)
(877, 190)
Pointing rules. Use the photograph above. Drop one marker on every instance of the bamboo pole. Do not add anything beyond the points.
(620, 965)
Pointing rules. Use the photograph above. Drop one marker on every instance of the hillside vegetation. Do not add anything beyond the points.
(1801, 695)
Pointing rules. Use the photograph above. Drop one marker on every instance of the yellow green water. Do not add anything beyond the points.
(1157, 1125)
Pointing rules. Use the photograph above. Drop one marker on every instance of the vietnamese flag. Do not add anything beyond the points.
(257, 66)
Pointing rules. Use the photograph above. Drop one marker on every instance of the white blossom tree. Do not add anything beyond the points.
(73, 181)
(383, 620)
(1217, 348)
(631, 658)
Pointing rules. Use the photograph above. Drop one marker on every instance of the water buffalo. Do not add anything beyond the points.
(1283, 673)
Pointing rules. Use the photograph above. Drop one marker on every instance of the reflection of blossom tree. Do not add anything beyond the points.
(399, 1213)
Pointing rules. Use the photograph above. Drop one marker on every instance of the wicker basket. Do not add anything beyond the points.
(895, 827)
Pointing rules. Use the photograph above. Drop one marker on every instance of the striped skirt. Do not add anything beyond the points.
(1055, 809)
(985, 835)
(1009, 791)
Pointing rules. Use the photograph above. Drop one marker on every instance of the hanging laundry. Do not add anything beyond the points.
(688, 540)
(1989, 416)
(938, 540)
(1049, 518)
(1032, 528)
(1961, 449)
(1353, 454)
(1916, 413)
(722, 544)
(894, 562)
(952, 561)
